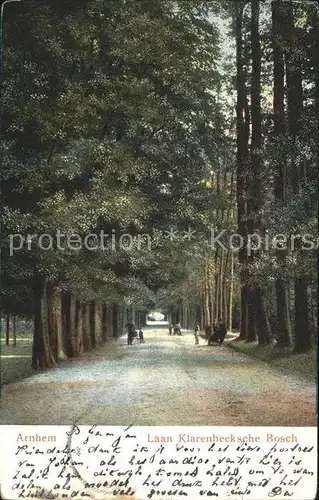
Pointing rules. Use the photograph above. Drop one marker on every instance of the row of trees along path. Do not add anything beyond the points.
(163, 119)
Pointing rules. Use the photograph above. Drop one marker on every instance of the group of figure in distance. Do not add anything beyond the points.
(133, 333)
(215, 333)
(175, 330)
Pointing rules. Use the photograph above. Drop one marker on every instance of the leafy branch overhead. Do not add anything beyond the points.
(167, 119)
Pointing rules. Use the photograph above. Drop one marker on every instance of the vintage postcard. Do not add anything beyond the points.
(159, 248)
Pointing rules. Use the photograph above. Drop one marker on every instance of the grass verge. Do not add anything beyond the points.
(16, 361)
(303, 365)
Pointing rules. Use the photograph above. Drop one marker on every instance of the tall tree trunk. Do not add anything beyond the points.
(125, 317)
(98, 323)
(302, 323)
(262, 323)
(313, 313)
(207, 297)
(252, 315)
(78, 326)
(315, 45)
(110, 333)
(221, 284)
(133, 314)
(242, 113)
(73, 329)
(115, 321)
(202, 315)
(224, 259)
(224, 292)
(284, 333)
(302, 337)
(92, 323)
(52, 323)
(14, 331)
(185, 315)
(315, 57)
(230, 253)
(57, 315)
(243, 313)
(211, 297)
(104, 322)
(226, 304)
(67, 324)
(86, 327)
(231, 293)
(215, 316)
(108, 322)
(7, 328)
(264, 328)
(42, 356)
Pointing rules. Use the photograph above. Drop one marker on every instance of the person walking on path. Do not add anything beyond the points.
(178, 329)
(131, 333)
(141, 336)
(196, 333)
(222, 331)
(170, 329)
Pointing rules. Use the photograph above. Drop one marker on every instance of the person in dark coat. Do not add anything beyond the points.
(196, 333)
(131, 333)
(222, 330)
(207, 332)
(213, 336)
(141, 335)
(178, 329)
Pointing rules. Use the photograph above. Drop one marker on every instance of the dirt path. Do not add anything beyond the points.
(166, 381)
